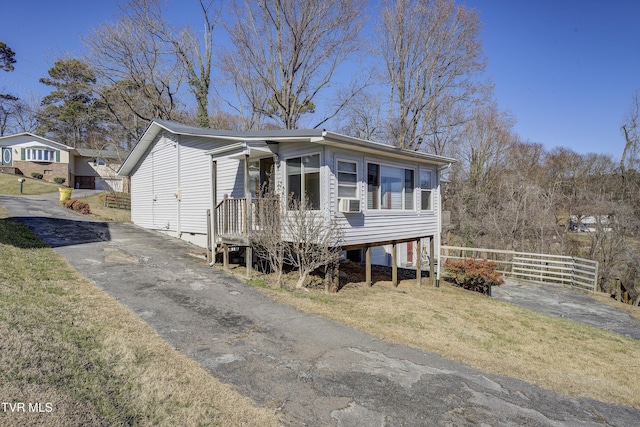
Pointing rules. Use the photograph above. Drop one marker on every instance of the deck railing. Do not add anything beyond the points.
(577, 272)
(235, 218)
(231, 217)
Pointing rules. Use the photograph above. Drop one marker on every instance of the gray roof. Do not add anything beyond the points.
(183, 129)
(103, 154)
(316, 136)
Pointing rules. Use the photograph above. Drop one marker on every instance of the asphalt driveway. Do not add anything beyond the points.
(313, 371)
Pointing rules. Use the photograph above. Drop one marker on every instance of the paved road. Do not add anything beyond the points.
(313, 371)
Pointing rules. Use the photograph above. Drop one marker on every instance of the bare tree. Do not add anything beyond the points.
(631, 132)
(183, 44)
(311, 239)
(487, 135)
(8, 105)
(433, 58)
(286, 52)
(24, 117)
(363, 119)
(136, 70)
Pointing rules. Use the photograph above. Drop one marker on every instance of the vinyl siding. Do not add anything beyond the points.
(141, 182)
(176, 165)
(230, 179)
(194, 185)
(153, 187)
(378, 225)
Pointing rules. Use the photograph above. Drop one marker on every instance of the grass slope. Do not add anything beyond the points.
(99, 211)
(87, 360)
(9, 185)
(487, 334)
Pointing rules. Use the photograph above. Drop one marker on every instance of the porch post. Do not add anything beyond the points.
(225, 255)
(394, 265)
(432, 276)
(367, 267)
(419, 262)
(209, 238)
(248, 259)
(247, 195)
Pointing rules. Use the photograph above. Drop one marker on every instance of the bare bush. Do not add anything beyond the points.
(312, 240)
(294, 234)
(267, 236)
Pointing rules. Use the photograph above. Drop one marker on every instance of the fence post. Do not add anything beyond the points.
(209, 249)
(419, 262)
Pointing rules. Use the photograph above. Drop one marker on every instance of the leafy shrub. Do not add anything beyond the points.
(36, 175)
(59, 180)
(78, 206)
(474, 274)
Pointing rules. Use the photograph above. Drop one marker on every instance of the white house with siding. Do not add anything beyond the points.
(385, 199)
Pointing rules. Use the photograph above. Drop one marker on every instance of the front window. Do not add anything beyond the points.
(425, 190)
(303, 179)
(40, 155)
(389, 187)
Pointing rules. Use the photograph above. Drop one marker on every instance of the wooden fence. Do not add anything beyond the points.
(117, 201)
(577, 272)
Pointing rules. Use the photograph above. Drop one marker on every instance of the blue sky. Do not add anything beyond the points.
(565, 69)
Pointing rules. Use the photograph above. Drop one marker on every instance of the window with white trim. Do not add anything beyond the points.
(40, 155)
(303, 179)
(426, 186)
(389, 187)
(347, 173)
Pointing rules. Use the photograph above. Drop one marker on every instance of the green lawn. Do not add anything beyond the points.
(9, 185)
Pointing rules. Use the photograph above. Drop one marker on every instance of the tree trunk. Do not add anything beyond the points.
(302, 280)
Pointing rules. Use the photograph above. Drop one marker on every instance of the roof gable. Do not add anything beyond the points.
(28, 137)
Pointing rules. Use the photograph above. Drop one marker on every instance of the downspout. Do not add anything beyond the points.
(213, 171)
(324, 164)
(439, 224)
(178, 194)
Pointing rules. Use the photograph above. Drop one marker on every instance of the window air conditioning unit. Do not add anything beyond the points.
(349, 205)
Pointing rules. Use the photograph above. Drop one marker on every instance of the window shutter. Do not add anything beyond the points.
(22, 154)
(58, 156)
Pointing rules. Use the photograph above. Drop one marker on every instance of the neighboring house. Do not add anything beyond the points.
(590, 223)
(26, 153)
(96, 170)
(379, 194)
